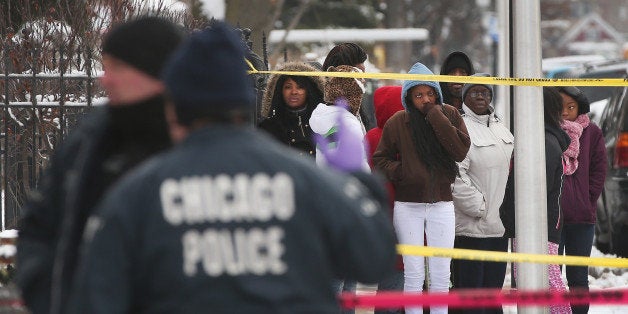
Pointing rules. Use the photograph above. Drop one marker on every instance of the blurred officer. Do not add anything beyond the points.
(229, 220)
(110, 140)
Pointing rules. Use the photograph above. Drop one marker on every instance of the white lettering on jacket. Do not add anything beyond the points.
(240, 199)
(255, 251)
(223, 198)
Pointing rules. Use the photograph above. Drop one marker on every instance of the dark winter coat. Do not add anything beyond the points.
(582, 188)
(81, 169)
(556, 142)
(253, 229)
(290, 127)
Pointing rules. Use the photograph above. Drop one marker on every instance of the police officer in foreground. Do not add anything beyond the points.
(229, 221)
(109, 141)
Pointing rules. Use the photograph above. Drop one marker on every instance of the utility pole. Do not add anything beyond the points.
(502, 101)
(530, 183)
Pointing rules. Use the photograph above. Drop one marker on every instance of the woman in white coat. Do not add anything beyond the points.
(479, 190)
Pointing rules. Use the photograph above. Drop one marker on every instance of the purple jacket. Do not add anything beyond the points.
(582, 188)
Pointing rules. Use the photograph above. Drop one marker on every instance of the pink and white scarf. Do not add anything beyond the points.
(574, 130)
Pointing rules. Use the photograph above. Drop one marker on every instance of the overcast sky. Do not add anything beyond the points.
(215, 8)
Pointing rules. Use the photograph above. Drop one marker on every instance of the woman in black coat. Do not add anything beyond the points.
(288, 104)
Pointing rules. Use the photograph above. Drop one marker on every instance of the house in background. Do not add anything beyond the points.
(592, 35)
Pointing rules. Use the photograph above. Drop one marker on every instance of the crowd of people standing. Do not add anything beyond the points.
(281, 217)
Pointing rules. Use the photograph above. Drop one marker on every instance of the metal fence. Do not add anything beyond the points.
(44, 90)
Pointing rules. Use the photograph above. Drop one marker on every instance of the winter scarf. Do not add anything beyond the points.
(574, 130)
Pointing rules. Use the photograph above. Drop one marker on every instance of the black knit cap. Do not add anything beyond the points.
(145, 43)
(578, 96)
(457, 59)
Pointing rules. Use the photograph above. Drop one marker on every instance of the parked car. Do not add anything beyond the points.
(554, 67)
(597, 69)
(596, 110)
(612, 225)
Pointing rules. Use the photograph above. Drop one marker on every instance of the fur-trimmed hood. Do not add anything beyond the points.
(295, 66)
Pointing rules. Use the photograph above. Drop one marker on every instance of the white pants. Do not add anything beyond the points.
(437, 223)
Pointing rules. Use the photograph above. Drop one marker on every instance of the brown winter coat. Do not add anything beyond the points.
(409, 175)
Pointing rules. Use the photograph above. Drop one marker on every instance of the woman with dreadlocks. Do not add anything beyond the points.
(418, 152)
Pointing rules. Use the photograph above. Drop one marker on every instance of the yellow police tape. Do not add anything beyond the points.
(459, 79)
(492, 256)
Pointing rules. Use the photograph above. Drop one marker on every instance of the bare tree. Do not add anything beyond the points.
(303, 6)
(254, 14)
(44, 41)
(398, 54)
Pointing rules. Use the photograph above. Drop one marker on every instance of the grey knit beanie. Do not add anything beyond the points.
(466, 86)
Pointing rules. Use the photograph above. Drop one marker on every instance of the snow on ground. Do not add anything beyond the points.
(599, 278)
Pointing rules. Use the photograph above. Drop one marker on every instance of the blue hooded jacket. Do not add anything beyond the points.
(419, 68)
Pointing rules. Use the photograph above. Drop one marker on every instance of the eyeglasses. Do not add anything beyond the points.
(420, 95)
(478, 94)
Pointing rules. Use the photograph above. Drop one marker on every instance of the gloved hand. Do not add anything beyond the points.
(348, 154)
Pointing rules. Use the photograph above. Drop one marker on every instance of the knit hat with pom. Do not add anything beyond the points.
(350, 88)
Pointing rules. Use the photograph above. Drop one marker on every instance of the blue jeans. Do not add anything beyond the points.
(479, 274)
(393, 282)
(340, 286)
(577, 240)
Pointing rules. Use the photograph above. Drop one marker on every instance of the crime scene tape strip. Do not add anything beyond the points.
(492, 256)
(459, 79)
(474, 298)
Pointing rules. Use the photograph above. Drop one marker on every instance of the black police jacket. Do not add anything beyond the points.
(230, 221)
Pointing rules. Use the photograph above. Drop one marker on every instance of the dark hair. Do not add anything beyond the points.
(314, 94)
(552, 106)
(344, 54)
(578, 96)
(430, 150)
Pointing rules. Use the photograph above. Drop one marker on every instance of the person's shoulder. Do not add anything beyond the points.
(398, 119)
(374, 132)
(320, 110)
(143, 174)
(552, 142)
(451, 110)
(269, 123)
(92, 125)
(593, 129)
(399, 115)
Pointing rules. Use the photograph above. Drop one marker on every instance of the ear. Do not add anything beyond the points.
(177, 131)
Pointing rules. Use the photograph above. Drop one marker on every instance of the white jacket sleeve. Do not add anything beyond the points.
(467, 198)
